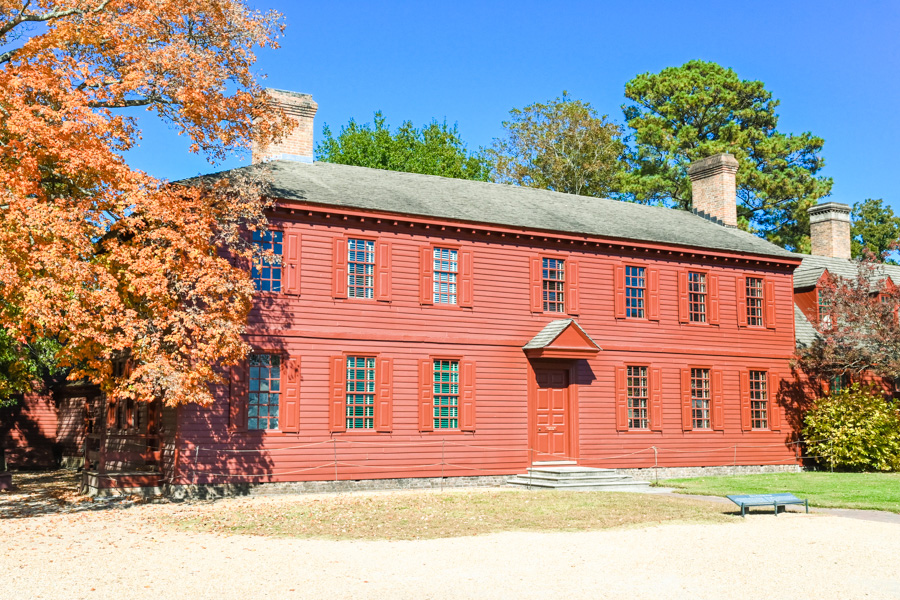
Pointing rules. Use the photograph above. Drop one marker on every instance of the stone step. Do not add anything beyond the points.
(605, 478)
(611, 486)
(553, 463)
(563, 472)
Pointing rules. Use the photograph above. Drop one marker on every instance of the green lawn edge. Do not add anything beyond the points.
(866, 491)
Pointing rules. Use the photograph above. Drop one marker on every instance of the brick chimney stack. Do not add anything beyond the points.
(297, 145)
(829, 228)
(713, 188)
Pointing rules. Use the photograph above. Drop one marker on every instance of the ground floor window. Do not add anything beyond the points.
(638, 397)
(446, 394)
(360, 412)
(700, 395)
(759, 400)
(265, 391)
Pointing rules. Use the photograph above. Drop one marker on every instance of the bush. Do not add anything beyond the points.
(855, 429)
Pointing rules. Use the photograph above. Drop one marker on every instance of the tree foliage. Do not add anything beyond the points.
(106, 260)
(683, 114)
(22, 365)
(563, 145)
(874, 228)
(855, 429)
(858, 331)
(435, 149)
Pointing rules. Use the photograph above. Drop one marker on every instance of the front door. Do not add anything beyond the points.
(552, 414)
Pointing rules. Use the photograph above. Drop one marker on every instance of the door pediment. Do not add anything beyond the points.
(563, 338)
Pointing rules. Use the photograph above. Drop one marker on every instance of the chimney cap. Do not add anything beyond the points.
(712, 165)
(829, 210)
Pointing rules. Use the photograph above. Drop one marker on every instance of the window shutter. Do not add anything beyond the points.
(467, 397)
(769, 295)
(384, 398)
(339, 276)
(653, 293)
(621, 400)
(337, 397)
(290, 265)
(572, 286)
(537, 298)
(774, 407)
(686, 422)
(466, 276)
(383, 269)
(713, 299)
(741, 283)
(240, 374)
(289, 421)
(620, 292)
(746, 421)
(426, 276)
(717, 406)
(655, 399)
(426, 395)
(683, 316)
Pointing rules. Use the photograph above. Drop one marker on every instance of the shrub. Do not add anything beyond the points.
(855, 429)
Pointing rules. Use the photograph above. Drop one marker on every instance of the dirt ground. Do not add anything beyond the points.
(57, 546)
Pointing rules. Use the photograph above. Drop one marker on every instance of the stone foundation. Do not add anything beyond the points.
(660, 473)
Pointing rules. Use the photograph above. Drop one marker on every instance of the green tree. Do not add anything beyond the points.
(24, 365)
(562, 145)
(874, 227)
(435, 149)
(683, 114)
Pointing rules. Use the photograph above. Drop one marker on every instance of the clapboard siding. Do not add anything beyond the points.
(314, 327)
(28, 432)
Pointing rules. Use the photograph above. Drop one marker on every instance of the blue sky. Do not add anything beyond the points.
(834, 66)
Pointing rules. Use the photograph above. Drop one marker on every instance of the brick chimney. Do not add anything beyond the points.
(713, 188)
(829, 228)
(297, 145)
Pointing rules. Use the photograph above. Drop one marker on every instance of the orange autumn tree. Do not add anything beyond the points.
(107, 261)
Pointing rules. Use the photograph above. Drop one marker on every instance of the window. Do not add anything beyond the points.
(823, 303)
(635, 287)
(755, 301)
(700, 396)
(360, 268)
(446, 269)
(553, 278)
(638, 398)
(265, 391)
(446, 393)
(759, 400)
(266, 269)
(697, 297)
(360, 398)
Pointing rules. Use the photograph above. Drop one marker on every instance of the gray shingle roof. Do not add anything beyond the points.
(499, 204)
(803, 329)
(551, 331)
(812, 267)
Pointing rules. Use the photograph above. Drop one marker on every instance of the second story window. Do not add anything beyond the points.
(360, 268)
(635, 287)
(553, 280)
(265, 391)
(266, 269)
(697, 297)
(754, 301)
(446, 269)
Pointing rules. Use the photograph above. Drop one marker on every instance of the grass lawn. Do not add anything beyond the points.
(873, 491)
(421, 515)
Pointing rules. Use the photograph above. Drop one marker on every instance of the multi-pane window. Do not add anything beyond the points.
(360, 412)
(360, 268)
(635, 285)
(636, 390)
(266, 269)
(755, 301)
(700, 395)
(759, 400)
(697, 297)
(823, 303)
(446, 394)
(446, 269)
(553, 277)
(265, 391)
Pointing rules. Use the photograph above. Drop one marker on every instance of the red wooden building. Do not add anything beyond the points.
(424, 327)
